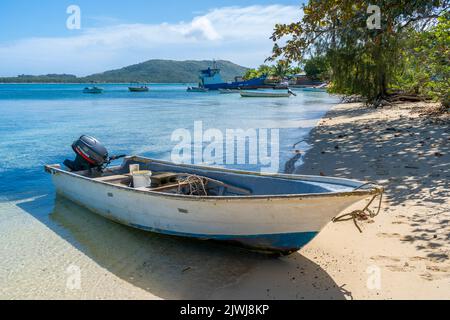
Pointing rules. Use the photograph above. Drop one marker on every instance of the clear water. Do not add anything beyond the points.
(39, 122)
(41, 235)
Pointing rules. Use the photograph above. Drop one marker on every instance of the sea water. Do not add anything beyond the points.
(47, 241)
(38, 123)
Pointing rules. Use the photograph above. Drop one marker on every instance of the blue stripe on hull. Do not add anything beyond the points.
(280, 242)
(235, 85)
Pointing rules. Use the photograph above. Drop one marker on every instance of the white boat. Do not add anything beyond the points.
(228, 91)
(276, 213)
(322, 86)
(266, 94)
(197, 89)
(315, 89)
(93, 90)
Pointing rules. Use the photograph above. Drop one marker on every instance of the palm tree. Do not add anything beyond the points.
(280, 70)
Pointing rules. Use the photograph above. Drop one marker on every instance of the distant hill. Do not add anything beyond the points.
(156, 71)
(167, 71)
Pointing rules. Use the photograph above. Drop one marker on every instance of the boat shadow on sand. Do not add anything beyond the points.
(409, 155)
(176, 268)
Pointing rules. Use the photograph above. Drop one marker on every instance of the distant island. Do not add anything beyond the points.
(152, 71)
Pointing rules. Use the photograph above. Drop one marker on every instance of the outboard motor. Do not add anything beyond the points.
(90, 154)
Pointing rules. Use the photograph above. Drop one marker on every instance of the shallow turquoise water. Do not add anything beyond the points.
(38, 123)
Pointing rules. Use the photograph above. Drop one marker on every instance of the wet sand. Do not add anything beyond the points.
(403, 253)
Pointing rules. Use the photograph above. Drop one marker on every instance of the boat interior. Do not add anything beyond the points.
(200, 181)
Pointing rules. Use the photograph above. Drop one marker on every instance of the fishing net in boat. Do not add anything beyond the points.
(192, 185)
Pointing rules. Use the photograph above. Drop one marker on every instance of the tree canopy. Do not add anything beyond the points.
(280, 70)
(317, 68)
(425, 60)
(364, 60)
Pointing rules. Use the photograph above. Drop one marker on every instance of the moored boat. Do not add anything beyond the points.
(138, 88)
(315, 89)
(276, 213)
(211, 79)
(93, 90)
(266, 94)
(197, 89)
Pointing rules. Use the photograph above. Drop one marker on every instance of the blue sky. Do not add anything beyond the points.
(35, 39)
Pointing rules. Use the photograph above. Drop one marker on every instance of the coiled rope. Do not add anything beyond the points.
(366, 212)
(196, 184)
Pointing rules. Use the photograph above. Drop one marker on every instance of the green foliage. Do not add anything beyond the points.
(426, 62)
(280, 71)
(252, 74)
(317, 68)
(362, 61)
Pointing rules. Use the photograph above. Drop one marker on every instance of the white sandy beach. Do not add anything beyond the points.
(406, 248)
(410, 240)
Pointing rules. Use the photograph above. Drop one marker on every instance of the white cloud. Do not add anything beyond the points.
(239, 34)
(202, 28)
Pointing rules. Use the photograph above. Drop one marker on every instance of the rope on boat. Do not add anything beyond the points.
(366, 212)
(197, 185)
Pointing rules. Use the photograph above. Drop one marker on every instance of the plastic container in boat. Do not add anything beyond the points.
(142, 179)
(134, 167)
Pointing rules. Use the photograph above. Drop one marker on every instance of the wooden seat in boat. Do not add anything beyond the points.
(112, 179)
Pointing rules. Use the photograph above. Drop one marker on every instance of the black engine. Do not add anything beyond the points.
(90, 154)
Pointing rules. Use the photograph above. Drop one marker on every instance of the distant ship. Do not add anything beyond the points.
(212, 80)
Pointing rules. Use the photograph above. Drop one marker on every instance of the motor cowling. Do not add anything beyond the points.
(90, 154)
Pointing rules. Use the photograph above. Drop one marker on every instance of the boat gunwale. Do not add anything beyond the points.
(375, 189)
(249, 94)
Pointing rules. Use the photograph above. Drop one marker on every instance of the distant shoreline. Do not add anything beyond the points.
(98, 83)
(151, 71)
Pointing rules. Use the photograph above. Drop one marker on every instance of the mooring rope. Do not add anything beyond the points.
(366, 212)
(196, 185)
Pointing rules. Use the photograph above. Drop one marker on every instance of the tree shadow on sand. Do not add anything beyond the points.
(409, 155)
(176, 268)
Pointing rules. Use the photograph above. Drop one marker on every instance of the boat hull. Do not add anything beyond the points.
(93, 91)
(248, 84)
(247, 94)
(197, 89)
(132, 89)
(281, 224)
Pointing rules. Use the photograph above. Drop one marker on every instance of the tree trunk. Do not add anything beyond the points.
(383, 84)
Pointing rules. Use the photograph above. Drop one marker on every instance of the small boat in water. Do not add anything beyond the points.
(138, 88)
(315, 89)
(276, 213)
(93, 90)
(197, 89)
(266, 94)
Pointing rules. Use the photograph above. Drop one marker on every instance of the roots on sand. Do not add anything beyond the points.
(399, 97)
